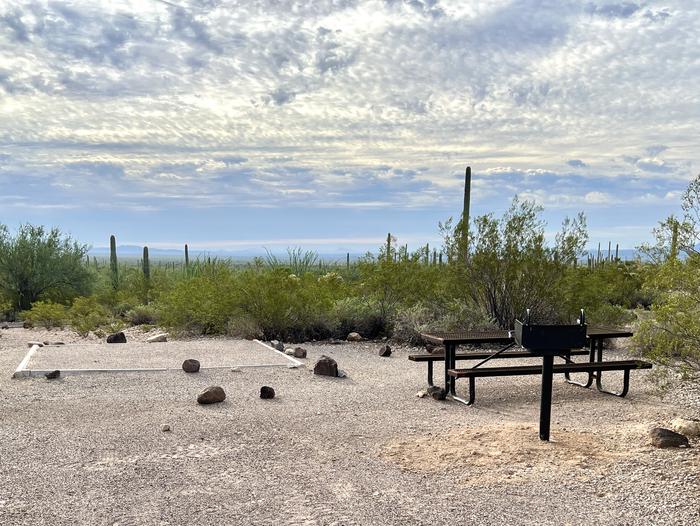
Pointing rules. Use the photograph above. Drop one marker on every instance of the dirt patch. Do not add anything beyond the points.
(511, 452)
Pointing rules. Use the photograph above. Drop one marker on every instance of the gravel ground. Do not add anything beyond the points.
(362, 450)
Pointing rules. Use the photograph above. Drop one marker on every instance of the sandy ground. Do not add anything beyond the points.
(362, 450)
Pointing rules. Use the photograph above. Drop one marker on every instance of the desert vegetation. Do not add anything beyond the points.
(486, 273)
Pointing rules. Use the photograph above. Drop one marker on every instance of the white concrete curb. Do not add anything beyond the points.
(295, 363)
(21, 369)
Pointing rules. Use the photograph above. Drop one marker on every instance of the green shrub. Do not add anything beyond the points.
(242, 326)
(142, 315)
(46, 314)
(357, 315)
(455, 315)
(87, 315)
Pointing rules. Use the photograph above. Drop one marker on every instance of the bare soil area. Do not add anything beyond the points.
(363, 450)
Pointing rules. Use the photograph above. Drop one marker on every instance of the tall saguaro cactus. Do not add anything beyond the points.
(388, 246)
(113, 263)
(187, 258)
(146, 265)
(466, 210)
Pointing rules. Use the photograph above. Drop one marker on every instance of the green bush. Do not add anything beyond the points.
(142, 315)
(355, 314)
(87, 315)
(46, 314)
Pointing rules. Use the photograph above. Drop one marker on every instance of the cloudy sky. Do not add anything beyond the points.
(236, 124)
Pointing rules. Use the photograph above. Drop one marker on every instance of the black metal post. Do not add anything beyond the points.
(546, 398)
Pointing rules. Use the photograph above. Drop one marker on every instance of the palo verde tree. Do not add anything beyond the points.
(37, 264)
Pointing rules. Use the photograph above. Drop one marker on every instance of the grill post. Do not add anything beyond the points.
(546, 396)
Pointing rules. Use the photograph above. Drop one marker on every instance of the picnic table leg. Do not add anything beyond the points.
(591, 359)
(599, 377)
(430, 373)
(546, 398)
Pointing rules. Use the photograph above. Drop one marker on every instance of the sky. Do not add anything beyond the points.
(238, 125)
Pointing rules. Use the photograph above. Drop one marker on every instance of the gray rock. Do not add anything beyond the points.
(33, 343)
(279, 346)
(385, 351)
(342, 374)
(289, 351)
(662, 437)
(421, 394)
(53, 375)
(326, 366)
(5, 326)
(267, 392)
(354, 337)
(118, 337)
(299, 352)
(190, 365)
(158, 338)
(165, 428)
(212, 395)
(437, 393)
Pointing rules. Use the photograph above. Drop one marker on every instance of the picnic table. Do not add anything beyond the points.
(594, 367)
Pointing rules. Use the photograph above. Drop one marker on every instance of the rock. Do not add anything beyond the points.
(385, 351)
(279, 346)
(46, 342)
(662, 437)
(236, 370)
(299, 352)
(437, 393)
(686, 426)
(354, 337)
(212, 395)
(57, 343)
(421, 394)
(53, 375)
(190, 365)
(289, 351)
(33, 343)
(27, 325)
(5, 326)
(342, 374)
(267, 392)
(165, 428)
(118, 337)
(326, 366)
(158, 338)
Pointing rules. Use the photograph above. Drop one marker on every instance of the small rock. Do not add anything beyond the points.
(662, 437)
(437, 393)
(289, 351)
(118, 337)
(212, 395)
(5, 326)
(53, 375)
(279, 346)
(686, 426)
(165, 428)
(46, 342)
(236, 370)
(342, 374)
(326, 366)
(190, 365)
(385, 351)
(27, 325)
(57, 343)
(267, 392)
(158, 338)
(32, 344)
(299, 352)
(354, 337)
(421, 394)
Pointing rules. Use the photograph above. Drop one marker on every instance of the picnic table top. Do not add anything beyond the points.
(503, 336)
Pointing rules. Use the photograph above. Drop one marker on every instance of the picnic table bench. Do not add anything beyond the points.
(595, 366)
